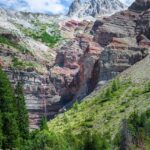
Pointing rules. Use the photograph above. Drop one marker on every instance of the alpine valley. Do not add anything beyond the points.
(82, 79)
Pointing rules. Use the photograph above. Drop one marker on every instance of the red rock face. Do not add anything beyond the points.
(116, 43)
(125, 38)
(74, 67)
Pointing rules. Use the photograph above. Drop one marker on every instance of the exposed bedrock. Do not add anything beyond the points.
(40, 94)
(74, 67)
(116, 43)
(140, 5)
(124, 37)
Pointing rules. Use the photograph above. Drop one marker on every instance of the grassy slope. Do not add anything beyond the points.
(39, 33)
(103, 114)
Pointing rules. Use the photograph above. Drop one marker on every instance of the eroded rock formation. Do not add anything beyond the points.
(125, 38)
(115, 43)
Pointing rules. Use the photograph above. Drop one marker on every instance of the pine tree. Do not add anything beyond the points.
(8, 114)
(94, 141)
(43, 124)
(76, 106)
(115, 85)
(23, 119)
(108, 93)
(1, 134)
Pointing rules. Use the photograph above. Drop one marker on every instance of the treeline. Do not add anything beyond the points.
(14, 124)
(49, 140)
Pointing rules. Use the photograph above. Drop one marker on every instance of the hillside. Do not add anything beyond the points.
(28, 49)
(103, 112)
(59, 60)
(75, 84)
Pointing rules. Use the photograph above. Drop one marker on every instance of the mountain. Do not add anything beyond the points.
(62, 60)
(90, 79)
(94, 8)
(103, 112)
(140, 5)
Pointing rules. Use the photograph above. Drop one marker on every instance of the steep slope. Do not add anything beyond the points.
(140, 5)
(104, 110)
(123, 36)
(94, 8)
(27, 50)
(57, 71)
(117, 42)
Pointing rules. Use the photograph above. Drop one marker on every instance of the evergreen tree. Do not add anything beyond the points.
(147, 88)
(1, 134)
(76, 106)
(115, 85)
(108, 93)
(43, 124)
(94, 141)
(8, 114)
(23, 119)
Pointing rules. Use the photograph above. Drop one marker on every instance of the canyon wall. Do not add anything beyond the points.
(115, 44)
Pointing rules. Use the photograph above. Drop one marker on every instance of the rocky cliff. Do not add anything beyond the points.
(116, 43)
(94, 8)
(125, 39)
(56, 76)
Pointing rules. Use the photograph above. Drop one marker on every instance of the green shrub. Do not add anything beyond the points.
(76, 106)
(17, 63)
(136, 92)
(43, 124)
(147, 88)
(108, 93)
(87, 124)
(45, 140)
(66, 120)
(8, 42)
(115, 85)
(135, 131)
(94, 141)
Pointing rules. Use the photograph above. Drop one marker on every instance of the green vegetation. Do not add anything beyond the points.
(40, 33)
(115, 117)
(23, 121)
(20, 64)
(1, 132)
(10, 132)
(16, 63)
(103, 113)
(51, 40)
(135, 132)
(99, 122)
(5, 40)
(43, 124)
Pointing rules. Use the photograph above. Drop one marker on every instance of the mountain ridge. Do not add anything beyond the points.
(94, 8)
(59, 61)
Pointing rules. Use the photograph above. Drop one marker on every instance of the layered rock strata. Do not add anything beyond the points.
(125, 38)
(115, 43)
